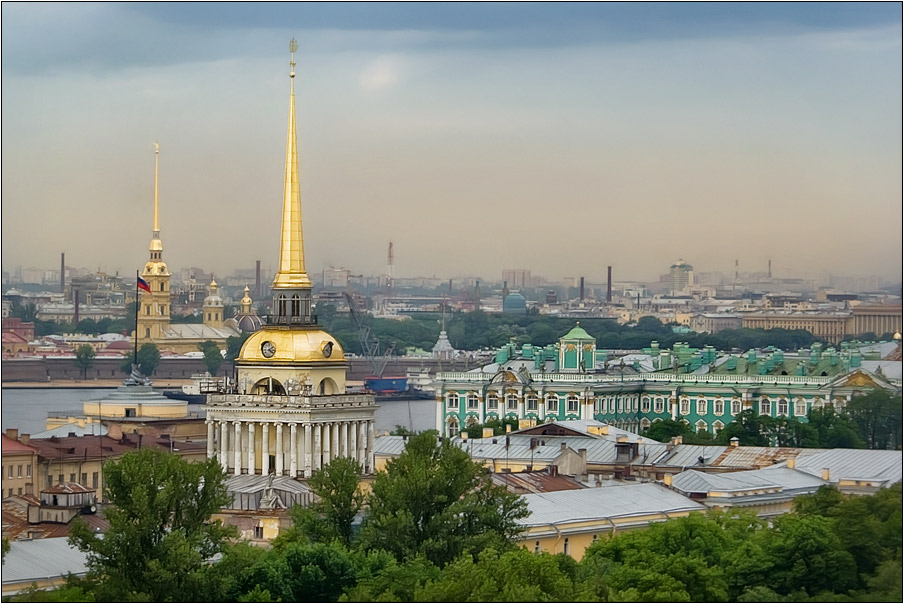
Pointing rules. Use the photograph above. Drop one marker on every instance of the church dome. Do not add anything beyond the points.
(248, 323)
(514, 303)
(291, 346)
(213, 299)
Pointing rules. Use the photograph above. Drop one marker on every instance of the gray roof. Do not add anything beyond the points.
(617, 501)
(198, 330)
(890, 369)
(65, 430)
(854, 464)
(778, 477)
(689, 455)
(38, 559)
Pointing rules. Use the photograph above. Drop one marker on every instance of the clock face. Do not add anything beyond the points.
(328, 349)
(268, 349)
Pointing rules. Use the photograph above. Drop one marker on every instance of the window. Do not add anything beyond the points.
(817, 403)
(162, 287)
(765, 407)
(782, 407)
(701, 406)
(531, 403)
(296, 306)
(594, 538)
(685, 406)
(719, 406)
(565, 546)
(162, 309)
(658, 404)
(28, 471)
(20, 471)
(492, 402)
(62, 479)
(599, 405)
(735, 406)
(537, 547)
(452, 400)
(453, 428)
(552, 403)
(72, 477)
(645, 423)
(94, 478)
(620, 402)
(800, 407)
(511, 402)
(18, 491)
(644, 407)
(611, 404)
(10, 471)
(634, 400)
(258, 532)
(472, 401)
(573, 403)
(147, 309)
(717, 427)
(84, 481)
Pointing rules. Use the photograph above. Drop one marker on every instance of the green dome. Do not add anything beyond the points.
(577, 333)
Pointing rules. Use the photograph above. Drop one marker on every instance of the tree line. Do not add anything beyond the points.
(435, 529)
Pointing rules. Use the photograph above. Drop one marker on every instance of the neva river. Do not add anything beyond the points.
(27, 408)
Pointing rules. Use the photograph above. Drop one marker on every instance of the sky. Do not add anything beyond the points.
(556, 137)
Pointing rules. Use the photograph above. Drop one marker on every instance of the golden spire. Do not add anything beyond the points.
(291, 272)
(156, 174)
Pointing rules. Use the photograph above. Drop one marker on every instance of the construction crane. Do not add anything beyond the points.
(370, 345)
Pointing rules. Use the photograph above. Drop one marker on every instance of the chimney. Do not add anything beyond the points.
(24, 438)
(609, 286)
(75, 302)
(790, 463)
(63, 272)
(667, 479)
(488, 433)
(553, 470)
(257, 279)
(583, 454)
(677, 440)
(582, 289)
(826, 474)
(735, 441)
(12, 433)
(563, 446)
(464, 436)
(508, 428)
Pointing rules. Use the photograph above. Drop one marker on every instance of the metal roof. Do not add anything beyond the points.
(29, 561)
(854, 464)
(603, 503)
(692, 481)
(689, 455)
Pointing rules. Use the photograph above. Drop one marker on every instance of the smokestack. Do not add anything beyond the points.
(582, 289)
(770, 269)
(735, 271)
(63, 272)
(257, 279)
(609, 286)
(75, 312)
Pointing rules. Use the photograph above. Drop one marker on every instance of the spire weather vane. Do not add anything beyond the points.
(293, 46)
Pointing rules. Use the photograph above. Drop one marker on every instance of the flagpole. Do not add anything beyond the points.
(137, 306)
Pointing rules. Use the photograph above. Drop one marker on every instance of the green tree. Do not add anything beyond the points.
(148, 358)
(234, 346)
(339, 499)
(664, 430)
(434, 501)
(160, 534)
(879, 418)
(834, 430)
(213, 358)
(84, 358)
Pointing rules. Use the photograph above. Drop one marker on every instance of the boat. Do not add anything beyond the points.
(201, 385)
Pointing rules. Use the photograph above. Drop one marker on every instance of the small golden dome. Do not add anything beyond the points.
(156, 245)
(271, 345)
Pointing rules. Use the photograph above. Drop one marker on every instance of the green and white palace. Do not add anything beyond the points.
(707, 389)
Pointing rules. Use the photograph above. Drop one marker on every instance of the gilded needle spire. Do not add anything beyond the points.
(156, 173)
(291, 272)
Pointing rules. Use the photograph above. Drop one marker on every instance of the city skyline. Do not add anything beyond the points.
(649, 132)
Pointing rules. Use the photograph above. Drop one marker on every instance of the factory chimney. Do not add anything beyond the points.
(582, 289)
(63, 272)
(609, 286)
(770, 268)
(75, 304)
(257, 279)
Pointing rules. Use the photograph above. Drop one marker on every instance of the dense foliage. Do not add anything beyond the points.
(832, 547)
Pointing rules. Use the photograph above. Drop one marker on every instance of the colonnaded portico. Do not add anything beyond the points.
(289, 435)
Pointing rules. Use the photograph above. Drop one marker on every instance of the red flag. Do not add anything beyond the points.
(142, 284)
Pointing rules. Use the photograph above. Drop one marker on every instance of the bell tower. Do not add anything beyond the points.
(154, 306)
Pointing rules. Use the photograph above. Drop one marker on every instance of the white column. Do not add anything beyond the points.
(210, 434)
(300, 451)
(252, 462)
(334, 449)
(317, 448)
(237, 448)
(353, 440)
(343, 439)
(308, 450)
(293, 449)
(362, 443)
(440, 402)
(370, 447)
(223, 445)
(327, 441)
(279, 449)
(265, 449)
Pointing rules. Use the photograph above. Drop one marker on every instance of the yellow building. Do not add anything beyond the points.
(568, 522)
(290, 413)
(20, 464)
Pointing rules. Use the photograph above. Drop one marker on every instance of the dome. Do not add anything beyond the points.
(213, 299)
(248, 323)
(291, 346)
(515, 303)
(156, 245)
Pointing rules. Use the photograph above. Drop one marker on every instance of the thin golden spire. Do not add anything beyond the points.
(156, 174)
(291, 272)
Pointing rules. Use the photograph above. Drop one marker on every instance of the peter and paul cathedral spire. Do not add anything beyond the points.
(154, 306)
(291, 286)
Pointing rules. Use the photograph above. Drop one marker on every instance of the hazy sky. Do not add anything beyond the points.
(556, 137)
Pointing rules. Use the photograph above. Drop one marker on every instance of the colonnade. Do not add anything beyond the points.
(300, 448)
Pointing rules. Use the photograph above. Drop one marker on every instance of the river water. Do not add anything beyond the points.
(27, 408)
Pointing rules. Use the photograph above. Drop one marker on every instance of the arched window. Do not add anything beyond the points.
(296, 305)
(717, 427)
(782, 407)
(634, 400)
(531, 402)
(599, 405)
(511, 402)
(701, 406)
(573, 403)
(453, 427)
(659, 405)
(719, 406)
(473, 401)
(685, 406)
(492, 402)
(765, 407)
(645, 404)
(452, 400)
(552, 403)
(620, 402)
(281, 306)
(162, 287)
(644, 424)
(735, 406)
(700, 426)
(147, 332)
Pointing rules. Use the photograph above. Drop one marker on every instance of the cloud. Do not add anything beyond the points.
(381, 73)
